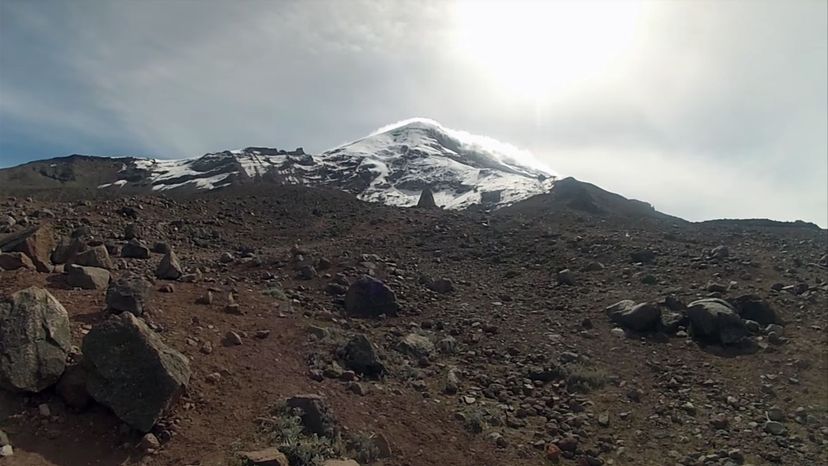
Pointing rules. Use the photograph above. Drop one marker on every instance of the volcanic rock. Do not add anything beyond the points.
(316, 416)
(15, 260)
(132, 371)
(369, 297)
(135, 249)
(128, 294)
(95, 257)
(639, 317)
(88, 278)
(715, 320)
(36, 242)
(359, 355)
(169, 268)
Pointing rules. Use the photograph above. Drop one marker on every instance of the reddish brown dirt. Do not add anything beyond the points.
(503, 269)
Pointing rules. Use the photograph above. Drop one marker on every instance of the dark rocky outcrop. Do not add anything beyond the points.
(426, 200)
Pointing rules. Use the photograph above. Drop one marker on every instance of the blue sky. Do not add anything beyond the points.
(705, 109)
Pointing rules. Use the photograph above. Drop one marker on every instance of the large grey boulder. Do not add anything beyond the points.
(169, 268)
(130, 370)
(639, 317)
(128, 294)
(88, 278)
(369, 297)
(34, 340)
(715, 320)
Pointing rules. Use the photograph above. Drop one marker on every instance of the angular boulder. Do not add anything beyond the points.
(67, 249)
(169, 268)
(752, 307)
(135, 249)
(34, 340)
(369, 297)
(360, 356)
(15, 260)
(36, 242)
(441, 285)
(715, 320)
(94, 257)
(639, 317)
(128, 294)
(88, 278)
(644, 256)
(132, 371)
(415, 345)
(316, 416)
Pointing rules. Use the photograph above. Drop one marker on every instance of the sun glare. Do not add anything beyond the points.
(534, 48)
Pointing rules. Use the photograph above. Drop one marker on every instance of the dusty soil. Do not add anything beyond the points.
(653, 396)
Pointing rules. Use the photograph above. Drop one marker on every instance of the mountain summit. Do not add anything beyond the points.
(398, 161)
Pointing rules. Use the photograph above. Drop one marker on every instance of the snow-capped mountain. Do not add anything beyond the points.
(397, 162)
(392, 165)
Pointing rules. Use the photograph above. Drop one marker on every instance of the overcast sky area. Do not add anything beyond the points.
(704, 109)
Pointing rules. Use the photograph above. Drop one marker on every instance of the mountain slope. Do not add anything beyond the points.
(575, 195)
(74, 172)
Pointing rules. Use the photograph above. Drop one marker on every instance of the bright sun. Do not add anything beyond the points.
(537, 48)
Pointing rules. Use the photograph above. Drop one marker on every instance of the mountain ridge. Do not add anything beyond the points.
(392, 165)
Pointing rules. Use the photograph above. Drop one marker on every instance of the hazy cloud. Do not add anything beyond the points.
(718, 108)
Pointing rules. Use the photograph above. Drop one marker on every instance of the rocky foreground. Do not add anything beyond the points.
(287, 326)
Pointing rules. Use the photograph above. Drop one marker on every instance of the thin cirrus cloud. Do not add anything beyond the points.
(715, 109)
